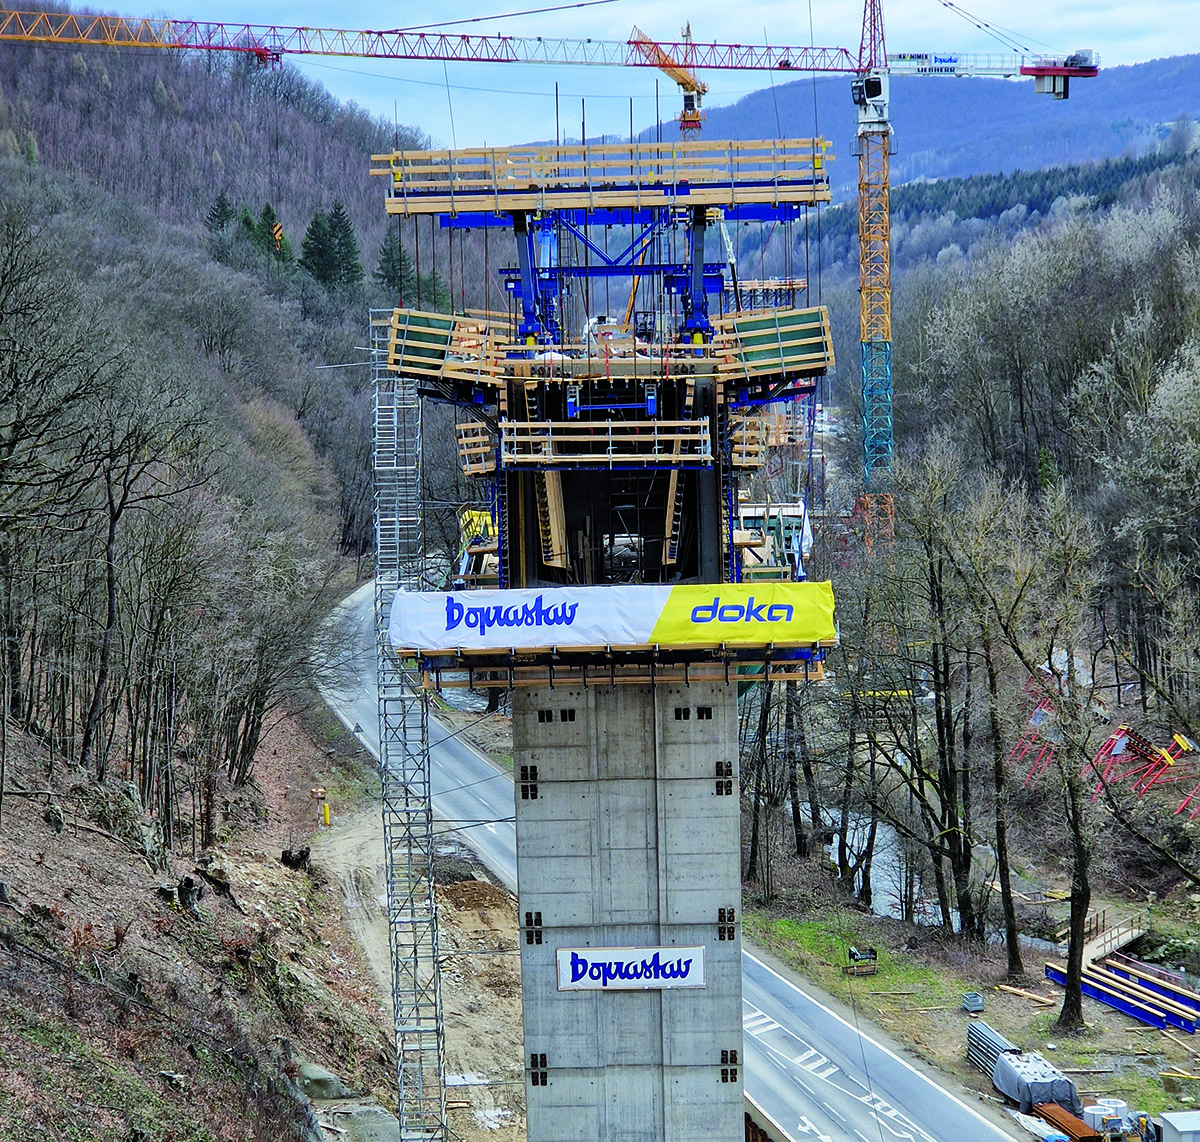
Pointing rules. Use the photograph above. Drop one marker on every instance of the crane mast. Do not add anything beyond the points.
(869, 89)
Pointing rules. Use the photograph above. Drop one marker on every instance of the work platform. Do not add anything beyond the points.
(501, 180)
(777, 351)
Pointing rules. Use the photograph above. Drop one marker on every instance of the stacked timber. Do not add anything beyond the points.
(1061, 1119)
(1142, 997)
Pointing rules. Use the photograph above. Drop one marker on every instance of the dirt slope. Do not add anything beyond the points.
(481, 979)
(125, 1016)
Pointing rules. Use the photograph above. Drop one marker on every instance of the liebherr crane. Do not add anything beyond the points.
(871, 69)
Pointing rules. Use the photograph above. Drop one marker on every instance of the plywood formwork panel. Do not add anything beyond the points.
(784, 342)
(436, 345)
(575, 176)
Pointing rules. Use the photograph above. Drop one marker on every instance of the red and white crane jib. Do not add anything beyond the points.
(1051, 74)
(271, 42)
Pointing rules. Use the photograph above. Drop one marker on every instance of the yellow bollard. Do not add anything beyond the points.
(325, 813)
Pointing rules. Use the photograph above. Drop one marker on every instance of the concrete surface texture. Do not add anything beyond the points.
(627, 838)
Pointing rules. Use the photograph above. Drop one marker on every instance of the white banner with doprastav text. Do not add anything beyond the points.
(779, 614)
(629, 969)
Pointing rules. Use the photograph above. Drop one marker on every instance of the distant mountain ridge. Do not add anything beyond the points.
(947, 127)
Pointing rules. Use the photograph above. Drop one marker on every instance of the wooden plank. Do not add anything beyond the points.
(1127, 964)
(1141, 995)
(1048, 1001)
(1076, 1129)
(522, 178)
(554, 539)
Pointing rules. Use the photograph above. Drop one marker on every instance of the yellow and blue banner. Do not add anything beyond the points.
(693, 615)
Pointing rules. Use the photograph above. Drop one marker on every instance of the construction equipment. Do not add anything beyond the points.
(653, 498)
(624, 617)
(871, 69)
(869, 89)
(682, 72)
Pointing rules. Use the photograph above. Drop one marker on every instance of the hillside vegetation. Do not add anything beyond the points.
(181, 479)
(1032, 585)
(955, 128)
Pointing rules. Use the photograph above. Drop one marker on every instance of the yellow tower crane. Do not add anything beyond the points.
(683, 73)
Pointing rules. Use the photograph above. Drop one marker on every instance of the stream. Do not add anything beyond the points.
(893, 877)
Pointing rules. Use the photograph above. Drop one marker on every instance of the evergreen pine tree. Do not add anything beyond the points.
(264, 229)
(435, 294)
(317, 252)
(395, 270)
(348, 259)
(247, 227)
(220, 214)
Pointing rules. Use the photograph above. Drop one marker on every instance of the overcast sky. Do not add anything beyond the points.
(469, 105)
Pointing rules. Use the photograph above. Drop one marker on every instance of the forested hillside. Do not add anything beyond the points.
(169, 533)
(1039, 582)
(959, 213)
(185, 493)
(171, 132)
(955, 128)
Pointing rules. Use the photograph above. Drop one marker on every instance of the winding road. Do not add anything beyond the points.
(812, 1072)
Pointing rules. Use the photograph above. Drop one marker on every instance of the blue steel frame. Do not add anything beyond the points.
(538, 280)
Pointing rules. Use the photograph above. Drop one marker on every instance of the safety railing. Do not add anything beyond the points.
(574, 175)
(606, 443)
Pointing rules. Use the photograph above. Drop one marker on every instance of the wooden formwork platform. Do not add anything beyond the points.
(775, 342)
(443, 347)
(611, 175)
(748, 439)
(476, 448)
(783, 343)
(600, 674)
(605, 443)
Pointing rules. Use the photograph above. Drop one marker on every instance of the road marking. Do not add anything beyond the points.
(993, 1130)
(833, 1110)
(804, 1126)
(815, 1063)
(758, 1024)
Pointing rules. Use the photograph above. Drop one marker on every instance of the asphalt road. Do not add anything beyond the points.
(814, 1073)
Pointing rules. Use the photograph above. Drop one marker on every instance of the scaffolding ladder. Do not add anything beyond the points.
(404, 760)
(675, 487)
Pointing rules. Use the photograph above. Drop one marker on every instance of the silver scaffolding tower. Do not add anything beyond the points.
(404, 760)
